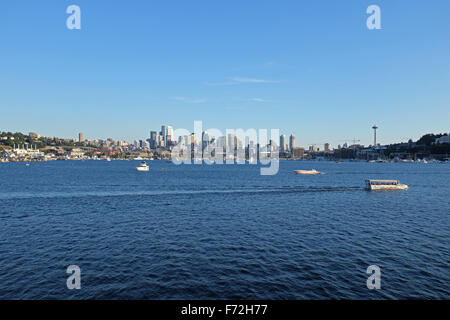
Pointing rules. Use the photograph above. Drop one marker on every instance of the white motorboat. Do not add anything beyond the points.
(143, 167)
(313, 171)
(385, 185)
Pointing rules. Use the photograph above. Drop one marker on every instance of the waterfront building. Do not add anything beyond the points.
(26, 151)
(298, 153)
(80, 137)
(444, 139)
(76, 153)
(327, 147)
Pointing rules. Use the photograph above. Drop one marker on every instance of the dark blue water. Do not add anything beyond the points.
(194, 232)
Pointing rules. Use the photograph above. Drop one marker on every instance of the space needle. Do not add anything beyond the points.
(375, 127)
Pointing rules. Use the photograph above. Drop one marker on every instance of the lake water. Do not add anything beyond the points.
(210, 232)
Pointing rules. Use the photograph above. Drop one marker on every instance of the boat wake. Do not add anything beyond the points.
(111, 193)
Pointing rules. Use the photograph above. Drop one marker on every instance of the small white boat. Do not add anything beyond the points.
(380, 185)
(108, 159)
(143, 167)
(313, 171)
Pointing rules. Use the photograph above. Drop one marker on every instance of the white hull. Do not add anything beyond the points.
(143, 167)
(387, 187)
(306, 172)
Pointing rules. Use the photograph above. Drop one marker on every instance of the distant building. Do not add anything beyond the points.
(80, 137)
(298, 153)
(313, 148)
(344, 153)
(206, 139)
(170, 136)
(76, 153)
(34, 135)
(327, 147)
(153, 139)
(292, 142)
(283, 145)
(163, 133)
(27, 151)
(159, 141)
(444, 139)
(231, 142)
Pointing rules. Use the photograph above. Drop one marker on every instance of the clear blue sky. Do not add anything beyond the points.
(307, 67)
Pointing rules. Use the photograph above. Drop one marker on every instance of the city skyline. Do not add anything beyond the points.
(234, 145)
(224, 159)
(166, 135)
(316, 72)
